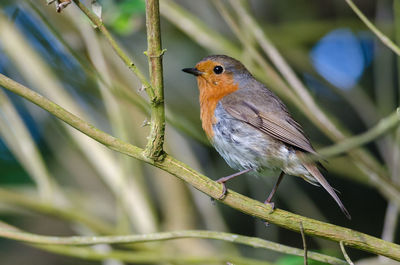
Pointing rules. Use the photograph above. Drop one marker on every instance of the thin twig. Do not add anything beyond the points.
(303, 237)
(133, 256)
(154, 147)
(147, 257)
(11, 232)
(345, 253)
(385, 40)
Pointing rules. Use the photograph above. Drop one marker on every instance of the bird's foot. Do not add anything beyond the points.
(272, 204)
(224, 189)
(225, 179)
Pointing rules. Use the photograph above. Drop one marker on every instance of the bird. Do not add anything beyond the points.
(250, 127)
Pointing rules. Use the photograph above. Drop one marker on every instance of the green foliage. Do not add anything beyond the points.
(128, 16)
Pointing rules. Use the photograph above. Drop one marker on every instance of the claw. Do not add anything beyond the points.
(224, 189)
(225, 179)
(272, 204)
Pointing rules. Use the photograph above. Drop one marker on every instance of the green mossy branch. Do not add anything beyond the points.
(237, 201)
(154, 147)
(10, 232)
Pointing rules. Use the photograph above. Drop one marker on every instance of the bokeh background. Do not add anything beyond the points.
(56, 181)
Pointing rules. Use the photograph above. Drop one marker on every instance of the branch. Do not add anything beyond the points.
(385, 40)
(147, 257)
(10, 232)
(202, 183)
(154, 148)
(345, 253)
(303, 237)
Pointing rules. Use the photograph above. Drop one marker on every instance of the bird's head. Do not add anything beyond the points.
(217, 75)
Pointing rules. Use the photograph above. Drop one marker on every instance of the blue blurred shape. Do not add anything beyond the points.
(340, 57)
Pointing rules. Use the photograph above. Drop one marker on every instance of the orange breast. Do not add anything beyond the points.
(211, 92)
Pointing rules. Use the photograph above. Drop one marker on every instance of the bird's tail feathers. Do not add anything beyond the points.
(314, 171)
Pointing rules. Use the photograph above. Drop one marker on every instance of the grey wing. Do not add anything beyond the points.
(278, 124)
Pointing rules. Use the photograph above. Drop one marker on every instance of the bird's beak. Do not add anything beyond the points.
(193, 71)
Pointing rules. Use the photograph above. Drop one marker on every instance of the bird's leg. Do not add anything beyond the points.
(268, 200)
(225, 179)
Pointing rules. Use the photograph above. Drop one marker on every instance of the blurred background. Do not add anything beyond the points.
(56, 181)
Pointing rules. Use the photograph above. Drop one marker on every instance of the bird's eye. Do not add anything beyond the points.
(218, 69)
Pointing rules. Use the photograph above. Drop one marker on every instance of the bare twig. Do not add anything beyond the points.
(345, 253)
(11, 232)
(303, 237)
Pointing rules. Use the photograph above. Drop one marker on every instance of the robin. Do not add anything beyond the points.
(250, 126)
